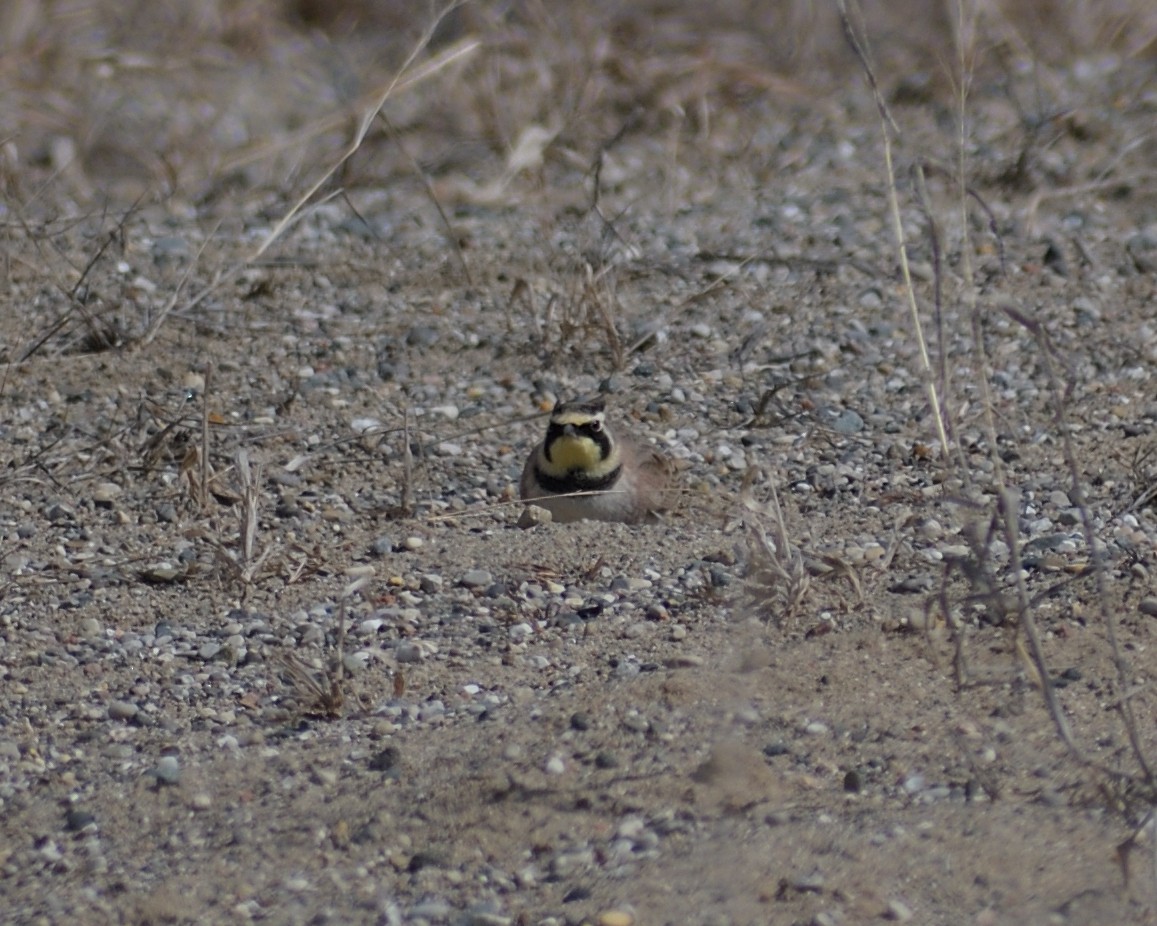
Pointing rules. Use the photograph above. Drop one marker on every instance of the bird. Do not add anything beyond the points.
(580, 470)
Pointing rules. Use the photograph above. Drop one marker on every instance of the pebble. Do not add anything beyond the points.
(811, 883)
(913, 585)
(382, 545)
(1148, 606)
(76, 820)
(476, 578)
(433, 909)
(636, 723)
(407, 651)
(630, 827)
(486, 918)
(162, 572)
(168, 771)
(122, 710)
(627, 668)
(363, 425)
(848, 422)
(533, 516)
(554, 765)
(615, 918)
(105, 494)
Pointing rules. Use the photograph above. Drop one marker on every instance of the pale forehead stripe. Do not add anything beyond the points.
(577, 417)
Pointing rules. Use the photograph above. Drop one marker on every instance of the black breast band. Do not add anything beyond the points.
(576, 481)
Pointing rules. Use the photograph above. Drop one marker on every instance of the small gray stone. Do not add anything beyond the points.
(209, 651)
(520, 632)
(161, 573)
(1148, 606)
(812, 883)
(59, 512)
(407, 651)
(432, 909)
(76, 820)
(387, 760)
(534, 515)
(476, 578)
(105, 494)
(628, 668)
(554, 765)
(122, 710)
(914, 585)
(168, 771)
(636, 723)
(486, 918)
(382, 545)
(848, 422)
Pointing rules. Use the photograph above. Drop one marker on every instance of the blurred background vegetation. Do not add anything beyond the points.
(218, 104)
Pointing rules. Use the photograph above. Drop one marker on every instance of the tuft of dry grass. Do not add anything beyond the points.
(320, 690)
(776, 580)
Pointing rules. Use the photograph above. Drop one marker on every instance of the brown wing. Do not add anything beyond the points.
(656, 481)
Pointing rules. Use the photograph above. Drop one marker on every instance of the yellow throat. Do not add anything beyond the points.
(574, 452)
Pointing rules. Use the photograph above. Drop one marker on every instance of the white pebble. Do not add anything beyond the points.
(554, 765)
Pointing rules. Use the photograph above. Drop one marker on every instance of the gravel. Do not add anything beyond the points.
(511, 720)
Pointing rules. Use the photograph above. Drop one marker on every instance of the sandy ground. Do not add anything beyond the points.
(705, 721)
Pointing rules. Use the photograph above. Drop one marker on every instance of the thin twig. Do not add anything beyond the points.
(370, 114)
(889, 126)
(432, 195)
(204, 488)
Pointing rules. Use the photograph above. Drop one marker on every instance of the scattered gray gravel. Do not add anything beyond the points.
(387, 688)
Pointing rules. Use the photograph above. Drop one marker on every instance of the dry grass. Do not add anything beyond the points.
(148, 101)
(992, 506)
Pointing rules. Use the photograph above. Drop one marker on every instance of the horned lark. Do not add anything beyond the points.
(581, 471)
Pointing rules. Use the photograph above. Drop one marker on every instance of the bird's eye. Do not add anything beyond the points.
(596, 425)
